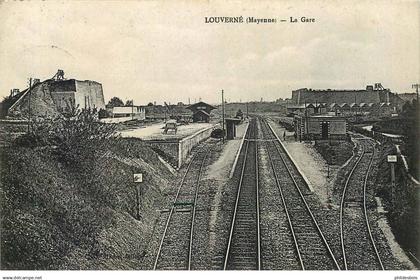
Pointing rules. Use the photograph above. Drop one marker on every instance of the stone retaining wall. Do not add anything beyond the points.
(176, 151)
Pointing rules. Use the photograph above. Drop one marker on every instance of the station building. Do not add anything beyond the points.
(201, 111)
(320, 127)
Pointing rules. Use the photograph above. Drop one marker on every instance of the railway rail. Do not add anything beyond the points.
(355, 231)
(244, 248)
(177, 242)
(311, 247)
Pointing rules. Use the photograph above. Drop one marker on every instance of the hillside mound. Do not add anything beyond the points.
(78, 215)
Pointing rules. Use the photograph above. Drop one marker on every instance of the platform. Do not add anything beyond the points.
(173, 147)
(155, 131)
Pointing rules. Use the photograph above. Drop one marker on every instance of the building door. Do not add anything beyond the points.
(324, 130)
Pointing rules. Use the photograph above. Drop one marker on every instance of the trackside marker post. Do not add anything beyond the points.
(137, 179)
(392, 159)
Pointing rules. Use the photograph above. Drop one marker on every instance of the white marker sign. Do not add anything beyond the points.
(392, 158)
(138, 177)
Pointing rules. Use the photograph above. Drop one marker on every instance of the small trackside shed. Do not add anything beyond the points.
(201, 111)
(320, 127)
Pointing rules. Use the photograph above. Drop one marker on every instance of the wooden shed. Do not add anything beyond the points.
(320, 127)
(201, 111)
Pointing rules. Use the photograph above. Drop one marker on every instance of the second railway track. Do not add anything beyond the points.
(176, 246)
(311, 247)
(357, 242)
(303, 239)
(243, 249)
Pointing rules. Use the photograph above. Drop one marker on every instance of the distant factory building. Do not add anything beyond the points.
(320, 127)
(56, 96)
(372, 94)
(201, 111)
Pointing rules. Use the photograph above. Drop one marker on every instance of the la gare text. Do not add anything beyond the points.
(255, 20)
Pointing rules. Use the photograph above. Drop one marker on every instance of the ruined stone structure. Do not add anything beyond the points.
(51, 98)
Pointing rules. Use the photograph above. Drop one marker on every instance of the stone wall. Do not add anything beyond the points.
(188, 143)
(167, 149)
(176, 151)
(41, 103)
(50, 98)
(89, 94)
(335, 96)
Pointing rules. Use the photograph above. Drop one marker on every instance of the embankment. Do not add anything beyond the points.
(82, 215)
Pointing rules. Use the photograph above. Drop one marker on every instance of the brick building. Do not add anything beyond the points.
(320, 127)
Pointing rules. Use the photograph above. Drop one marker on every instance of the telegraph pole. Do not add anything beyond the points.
(416, 86)
(247, 110)
(132, 109)
(29, 105)
(223, 117)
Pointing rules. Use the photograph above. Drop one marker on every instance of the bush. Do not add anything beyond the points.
(102, 114)
(58, 193)
(74, 137)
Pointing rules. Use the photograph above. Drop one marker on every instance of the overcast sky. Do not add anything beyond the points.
(164, 51)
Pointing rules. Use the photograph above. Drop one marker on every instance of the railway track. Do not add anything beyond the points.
(177, 242)
(312, 250)
(357, 243)
(243, 249)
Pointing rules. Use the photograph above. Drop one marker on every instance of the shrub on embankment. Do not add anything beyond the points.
(335, 152)
(68, 200)
(401, 202)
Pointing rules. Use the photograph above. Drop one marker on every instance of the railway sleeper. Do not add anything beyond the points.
(354, 204)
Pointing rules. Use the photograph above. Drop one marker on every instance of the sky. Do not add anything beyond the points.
(156, 51)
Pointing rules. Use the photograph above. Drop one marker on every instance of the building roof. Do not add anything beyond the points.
(201, 103)
(326, 116)
(126, 109)
(234, 120)
(203, 112)
(296, 106)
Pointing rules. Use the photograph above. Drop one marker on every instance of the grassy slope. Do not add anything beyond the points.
(56, 216)
(402, 204)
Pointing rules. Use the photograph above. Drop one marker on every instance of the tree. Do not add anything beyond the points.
(150, 104)
(115, 102)
(129, 103)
